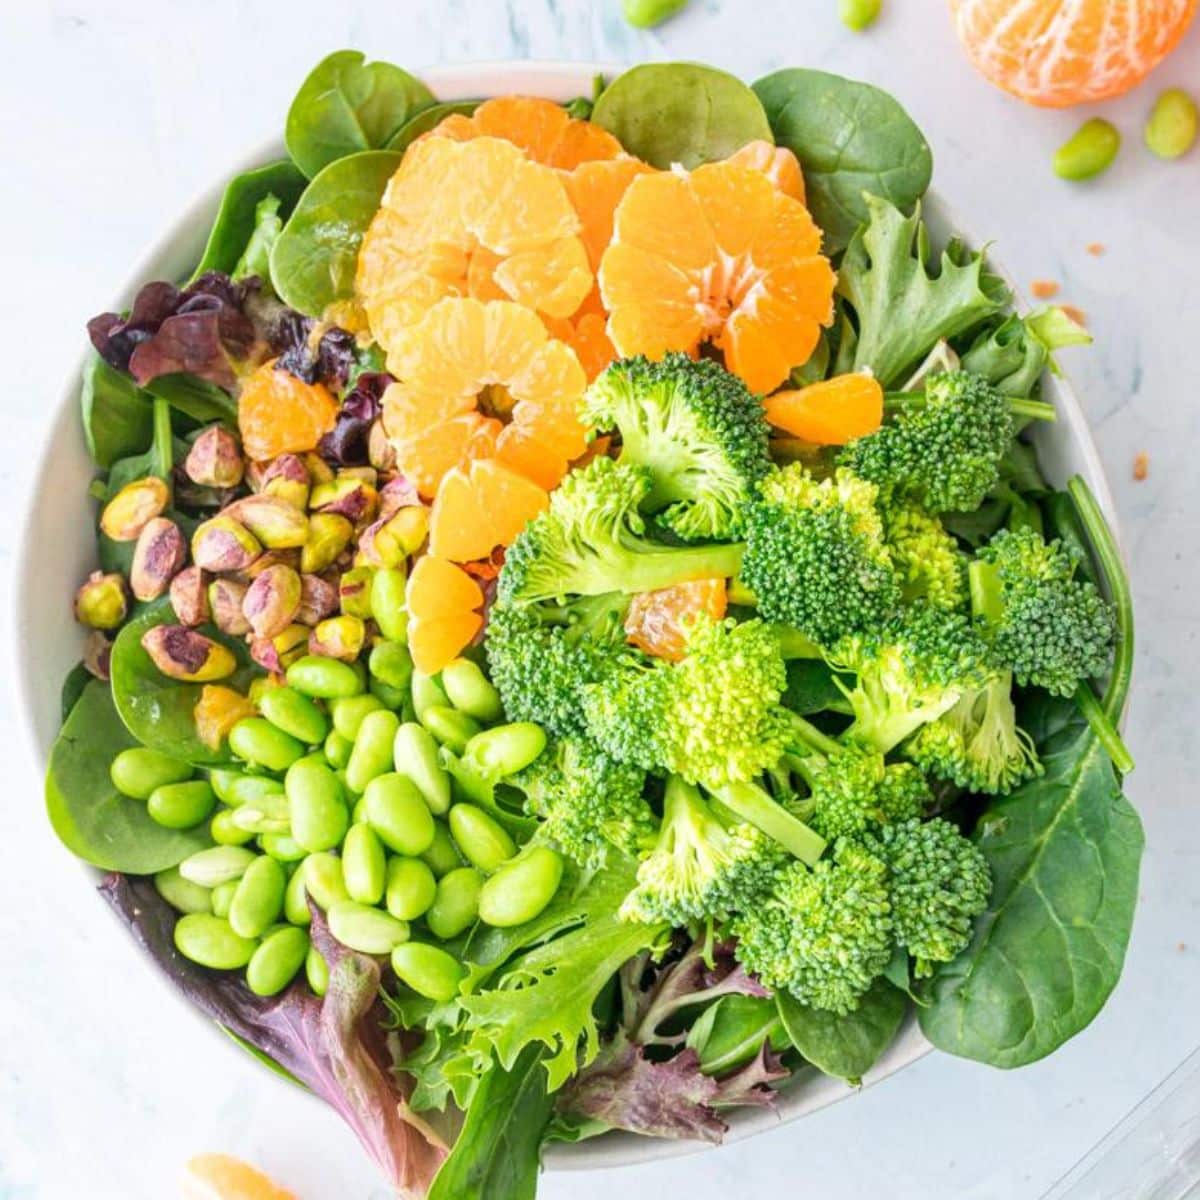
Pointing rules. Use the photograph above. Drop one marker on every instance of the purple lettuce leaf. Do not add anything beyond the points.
(346, 444)
(751, 1084)
(336, 1047)
(327, 359)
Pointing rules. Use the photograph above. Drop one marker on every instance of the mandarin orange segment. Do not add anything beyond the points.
(442, 602)
(518, 449)
(436, 643)
(428, 454)
(777, 163)
(217, 711)
(280, 414)
(830, 413)
(1055, 54)
(595, 189)
(480, 507)
(657, 622)
(720, 256)
(553, 279)
(223, 1177)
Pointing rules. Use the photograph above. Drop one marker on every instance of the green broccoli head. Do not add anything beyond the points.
(925, 556)
(942, 451)
(711, 718)
(592, 541)
(1049, 627)
(815, 555)
(939, 883)
(697, 430)
(702, 865)
(977, 743)
(824, 935)
(588, 802)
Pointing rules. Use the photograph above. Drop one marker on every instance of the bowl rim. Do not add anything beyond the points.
(559, 80)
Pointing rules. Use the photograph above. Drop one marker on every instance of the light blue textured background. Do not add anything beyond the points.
(113, 114)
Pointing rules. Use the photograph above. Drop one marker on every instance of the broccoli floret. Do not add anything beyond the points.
(712, 718)
(815, 556)
(939, 884)
(925, 556)
(592, 541)
(1047, 626)
(587, 801)
(824, 935)
(944, 448)
(696, 428)
(909, 672)
(540, 656)
(701, 865)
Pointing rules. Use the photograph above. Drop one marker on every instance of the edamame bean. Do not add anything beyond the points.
(222, 898)
(387, 602)
(236, 788)
(258, 900)
(138, 771)
(1171, 129)
(452, 728)
(364, 865)
(480, 837)
(429, 970)
(859, 14)
(267, 814)
(323, 678)
(442, 857)
(348, 713)
(415, 756)
(391, 698)
(426, 691)
(323, 880)
(395, 810)
(1089, 151)
(505, 749)
(645, 14)
(391, 664)
(337, 750)
(366, 929)
(519, 890)
(471, 692)
(216, 865)
(226, 831)
(255, 740)
(372, 753)
(316, 971)
(181, 894)
(282, 847)
(411, 888)
(211, 942)
(181, 805)
(274, 964)
(295, 714)
(295, 900)
(456, 904)
(318, 810)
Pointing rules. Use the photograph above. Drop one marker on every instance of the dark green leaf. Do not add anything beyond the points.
(77, 679)
(729, 1033)
(850, 138)
(118, 420)
(315, 257)
(496, 1154)
(845, 1047)
(347, 105)
(92, 819)
(667, 113)
(195, 398)
(1064, 851)
(425, 120)
(812, 687)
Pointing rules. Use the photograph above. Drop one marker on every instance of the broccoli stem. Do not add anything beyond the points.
(793, 644)
(649, 572)
(1020, 406)
(1105, 731)
(809, 738)
(984, 582)
(164, 452)
(752, 804)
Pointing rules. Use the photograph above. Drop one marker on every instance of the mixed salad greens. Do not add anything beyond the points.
(573, 882)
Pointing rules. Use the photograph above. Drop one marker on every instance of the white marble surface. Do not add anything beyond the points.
(113, 114)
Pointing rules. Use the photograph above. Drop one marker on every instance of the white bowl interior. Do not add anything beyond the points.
(58, 550)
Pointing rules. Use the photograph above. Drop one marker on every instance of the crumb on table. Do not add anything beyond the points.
(1095, 249)
(1044, 289)
(1076, 314)
(1141, 465)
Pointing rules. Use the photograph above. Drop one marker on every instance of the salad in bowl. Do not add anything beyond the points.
(580, 643)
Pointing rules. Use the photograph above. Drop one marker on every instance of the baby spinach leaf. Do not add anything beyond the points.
(850, 138)
(729, 1033)
(78, 677)
(845, 1047)
(348, 104)
(426, 120)
(685, 113)
(315, 257)
(237, 216)
(158, 710)
(92, 819)
(1064, 851)
(118, 419)
(196, 398)
(496, 1153)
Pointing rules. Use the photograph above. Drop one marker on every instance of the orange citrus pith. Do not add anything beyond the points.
(829, 413)
(1061, 52)
(719, 255)
(223, 1177)
(280, 414)
(657, 622)
(443, 603)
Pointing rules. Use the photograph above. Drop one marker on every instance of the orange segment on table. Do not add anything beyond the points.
(657, 622)
(443, 603)
(223, 1177)
(831, 412)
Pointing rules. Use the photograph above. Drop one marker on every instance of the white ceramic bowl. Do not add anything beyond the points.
(59, 550)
